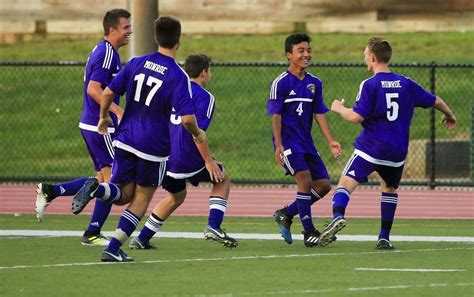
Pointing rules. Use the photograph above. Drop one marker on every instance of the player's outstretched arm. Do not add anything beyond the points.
(449, 119)
(334, 146)
(346, 113)
(105, 102)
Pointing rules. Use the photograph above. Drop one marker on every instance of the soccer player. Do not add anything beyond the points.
(296, 97)
(384, 106)
(186, 163)
(154, 84)
(102, 65)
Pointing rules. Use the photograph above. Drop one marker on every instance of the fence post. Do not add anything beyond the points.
(472, 144)
(432, 181)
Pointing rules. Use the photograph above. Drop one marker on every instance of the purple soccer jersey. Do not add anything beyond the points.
(185, 159)
(296, 101)
(387, 101)
(153, 84)
(102, 65)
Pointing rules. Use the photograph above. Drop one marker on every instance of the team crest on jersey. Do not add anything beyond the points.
(311, 88)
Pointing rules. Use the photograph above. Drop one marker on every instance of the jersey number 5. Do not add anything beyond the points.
(175, 119)
(153, 82)
(392, 106)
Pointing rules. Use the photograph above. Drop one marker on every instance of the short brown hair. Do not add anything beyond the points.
(167, 31)
(112, 19)
(380, 48)
(195, 64)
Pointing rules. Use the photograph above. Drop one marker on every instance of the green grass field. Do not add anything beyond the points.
(60, 266)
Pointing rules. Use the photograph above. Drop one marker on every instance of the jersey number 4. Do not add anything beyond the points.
(392, 106)
(152, 82)
(299, 109)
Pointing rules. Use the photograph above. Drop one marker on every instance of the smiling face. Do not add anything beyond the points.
(122, 32)
(300, 55)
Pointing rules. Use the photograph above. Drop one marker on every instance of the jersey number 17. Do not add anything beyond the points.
(152, 82)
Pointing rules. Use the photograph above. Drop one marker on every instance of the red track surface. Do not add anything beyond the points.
(262, 201)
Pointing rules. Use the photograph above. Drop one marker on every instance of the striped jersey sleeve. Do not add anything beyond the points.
(275, 100)
(105, 62)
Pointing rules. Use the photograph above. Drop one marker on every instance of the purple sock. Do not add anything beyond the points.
(217, 207)
(100, 214)
(69, 188)
(292, 209)
(127, 224)
(152, 225)
(388, 205)
(108, 192)
(340, 199)
(304, 210)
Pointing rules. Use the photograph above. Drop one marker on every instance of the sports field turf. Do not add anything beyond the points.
(60, 266)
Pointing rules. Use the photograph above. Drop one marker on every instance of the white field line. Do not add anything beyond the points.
(236, 258)
(357, 289)
(408, 269)
(56, 233)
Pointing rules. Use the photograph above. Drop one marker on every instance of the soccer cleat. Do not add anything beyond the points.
(284, 222)
(83, 196)
(384, 244)
(137, 244)
(220, 236)
(311, 238)
(328, 235)
(120, 256)
(44, 197)
(95, 240)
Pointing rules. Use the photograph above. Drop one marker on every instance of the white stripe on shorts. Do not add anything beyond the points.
(162, 172)
(287, 162)
(349, 163)
(108, 144)
(372, 160)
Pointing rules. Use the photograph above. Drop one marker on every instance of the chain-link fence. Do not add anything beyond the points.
(42, 103)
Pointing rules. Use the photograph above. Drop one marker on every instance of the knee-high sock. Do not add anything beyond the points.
(217, 207)
(152, 225)
(292, 209)
(108, 192)
(127, 224)
(304, 210)
(99, 215)
(388, 205)
(340, 199)
(69, 188)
